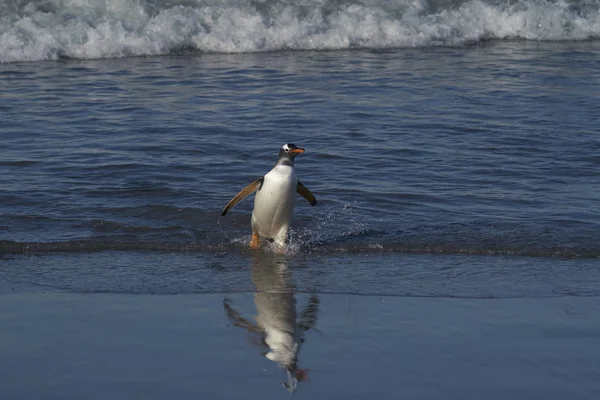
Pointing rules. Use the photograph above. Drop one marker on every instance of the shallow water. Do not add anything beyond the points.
(390, 274)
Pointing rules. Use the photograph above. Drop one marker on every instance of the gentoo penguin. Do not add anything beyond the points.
(275, 198)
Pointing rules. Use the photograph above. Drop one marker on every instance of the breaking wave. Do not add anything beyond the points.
(33, 30)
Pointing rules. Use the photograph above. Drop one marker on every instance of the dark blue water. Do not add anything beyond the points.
(485, 149)
(453, 149)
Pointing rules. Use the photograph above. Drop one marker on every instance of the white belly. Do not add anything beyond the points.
(274, 204)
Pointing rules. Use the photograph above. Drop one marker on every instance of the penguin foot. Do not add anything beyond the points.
(281, 250)
(255, 242)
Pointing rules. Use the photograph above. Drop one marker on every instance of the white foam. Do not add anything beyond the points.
(42, 30)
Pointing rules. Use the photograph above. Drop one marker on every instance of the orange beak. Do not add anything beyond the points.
(297, 150)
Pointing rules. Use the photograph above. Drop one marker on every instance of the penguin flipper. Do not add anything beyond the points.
(251, 188)
(307, 194)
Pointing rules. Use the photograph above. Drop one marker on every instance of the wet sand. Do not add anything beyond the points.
(57, 345)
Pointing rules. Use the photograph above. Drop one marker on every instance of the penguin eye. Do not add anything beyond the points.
(286, 150)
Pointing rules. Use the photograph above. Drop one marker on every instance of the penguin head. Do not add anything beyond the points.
(287, 153)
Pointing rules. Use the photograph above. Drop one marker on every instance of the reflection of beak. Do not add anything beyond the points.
(302, 375)
(297, 150)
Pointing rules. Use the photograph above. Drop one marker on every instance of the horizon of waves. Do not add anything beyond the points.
(35, 30)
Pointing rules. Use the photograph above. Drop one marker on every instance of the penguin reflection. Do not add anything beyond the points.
(279, 327)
